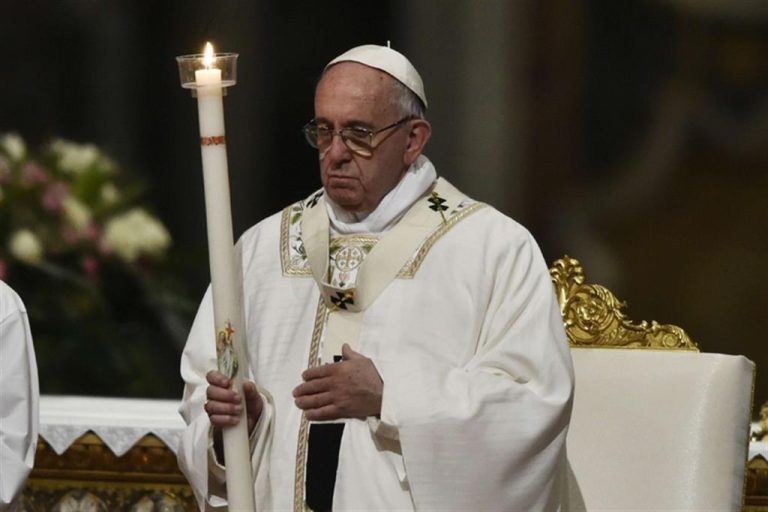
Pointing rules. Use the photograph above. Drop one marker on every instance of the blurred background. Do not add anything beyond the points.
(631, 135)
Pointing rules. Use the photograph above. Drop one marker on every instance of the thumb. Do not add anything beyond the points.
(348, 353)
(249, 389)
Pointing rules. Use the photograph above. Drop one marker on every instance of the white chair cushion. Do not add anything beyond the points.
(658, 430)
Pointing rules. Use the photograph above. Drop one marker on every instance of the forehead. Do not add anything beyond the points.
(352, 91)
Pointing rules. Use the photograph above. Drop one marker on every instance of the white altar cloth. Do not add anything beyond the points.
(122, 422)
(119, 422)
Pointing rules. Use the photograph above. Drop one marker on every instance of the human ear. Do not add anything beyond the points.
(420, 131)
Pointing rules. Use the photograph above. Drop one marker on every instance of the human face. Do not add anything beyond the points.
(352, 94)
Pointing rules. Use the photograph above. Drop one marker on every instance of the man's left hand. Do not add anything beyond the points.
(351, 388)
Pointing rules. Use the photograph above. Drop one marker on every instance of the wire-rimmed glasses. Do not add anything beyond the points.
(359, 140)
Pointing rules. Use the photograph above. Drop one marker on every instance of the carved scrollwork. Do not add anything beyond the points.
(80, 501)
(593, 315)
(158, 502)
(761, 434)
(89, 477)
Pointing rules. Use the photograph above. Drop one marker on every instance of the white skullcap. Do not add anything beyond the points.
(388, 60)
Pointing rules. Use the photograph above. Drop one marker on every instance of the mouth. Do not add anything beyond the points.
(341, 180)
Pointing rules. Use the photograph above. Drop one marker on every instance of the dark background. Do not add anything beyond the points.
(631, 134)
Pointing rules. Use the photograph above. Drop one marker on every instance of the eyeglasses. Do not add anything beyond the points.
(359, 140)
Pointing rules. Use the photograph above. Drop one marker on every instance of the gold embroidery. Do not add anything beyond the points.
(346, 254)
(354, 240)
(409, 269)
(321, 316)
(412, 265)
(289, 269)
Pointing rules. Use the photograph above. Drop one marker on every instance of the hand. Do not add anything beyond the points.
(351, 388)
(224, 405)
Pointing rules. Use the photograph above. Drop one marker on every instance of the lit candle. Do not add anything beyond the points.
(226, 277)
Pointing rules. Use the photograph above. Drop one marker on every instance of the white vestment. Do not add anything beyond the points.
(455, 307)
(18, 396)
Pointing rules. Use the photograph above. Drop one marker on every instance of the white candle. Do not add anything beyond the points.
(226, 282)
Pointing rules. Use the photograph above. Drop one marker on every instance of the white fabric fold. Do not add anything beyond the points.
(18, 396)
(477, 374)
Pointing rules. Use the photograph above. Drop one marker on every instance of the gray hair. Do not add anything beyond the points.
(409, 104)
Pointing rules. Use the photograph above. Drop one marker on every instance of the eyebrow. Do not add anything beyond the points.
(353, 123)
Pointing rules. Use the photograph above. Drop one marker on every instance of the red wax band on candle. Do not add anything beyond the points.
(213, 141)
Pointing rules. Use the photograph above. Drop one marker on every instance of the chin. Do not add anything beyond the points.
(350, 206)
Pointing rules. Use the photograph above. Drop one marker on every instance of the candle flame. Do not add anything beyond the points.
(208, 58)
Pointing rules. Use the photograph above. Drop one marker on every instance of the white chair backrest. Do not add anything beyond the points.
(656, 425)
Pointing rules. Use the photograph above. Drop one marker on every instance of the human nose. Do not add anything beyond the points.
(337, 149)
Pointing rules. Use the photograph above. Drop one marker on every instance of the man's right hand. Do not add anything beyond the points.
(223, 405)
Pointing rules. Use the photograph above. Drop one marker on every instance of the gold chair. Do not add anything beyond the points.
(656, 424)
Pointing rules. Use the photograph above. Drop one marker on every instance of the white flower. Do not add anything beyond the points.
(77, 158)
(14, 146)
(25, 246)
(136, 233)
(109, 194)
(77, 214)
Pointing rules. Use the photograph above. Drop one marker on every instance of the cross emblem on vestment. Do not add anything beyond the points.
(348, 258)
(438, 204)
(314, 199)
(342, 299)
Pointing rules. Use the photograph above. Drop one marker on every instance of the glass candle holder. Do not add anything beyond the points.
(189, 64)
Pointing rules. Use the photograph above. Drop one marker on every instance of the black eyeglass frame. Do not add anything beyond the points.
(311, 129)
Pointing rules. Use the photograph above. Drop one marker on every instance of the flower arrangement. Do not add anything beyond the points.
(89, 261)
(64, 211)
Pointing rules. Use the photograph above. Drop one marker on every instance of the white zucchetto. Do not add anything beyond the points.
(388, 60)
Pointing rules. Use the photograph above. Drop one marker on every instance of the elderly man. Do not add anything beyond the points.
(18, 397)
(406, 349)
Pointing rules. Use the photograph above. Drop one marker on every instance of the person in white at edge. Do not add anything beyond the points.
(454, 382)
(19, 397)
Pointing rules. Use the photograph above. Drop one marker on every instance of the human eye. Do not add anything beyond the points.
(322, 129)
(358, 133)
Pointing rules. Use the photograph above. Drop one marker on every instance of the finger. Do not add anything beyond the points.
(348, 353)
(326, 413)
(216, 378)
(219, 420)
(249, 390)
(314, 401)
(318, 372)
(215, 393)
(216, 408)
(312, 387)
(253, 400)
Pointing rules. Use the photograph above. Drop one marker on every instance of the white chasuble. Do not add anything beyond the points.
(455, 307)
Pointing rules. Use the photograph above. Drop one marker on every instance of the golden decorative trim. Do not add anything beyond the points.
(91, 458)
(301, 448)
(353, 240)
(593, 316)
(409, 269)
(762, 434)
(285, 253)
(89, 476)
(412, 265)
(756, 484)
